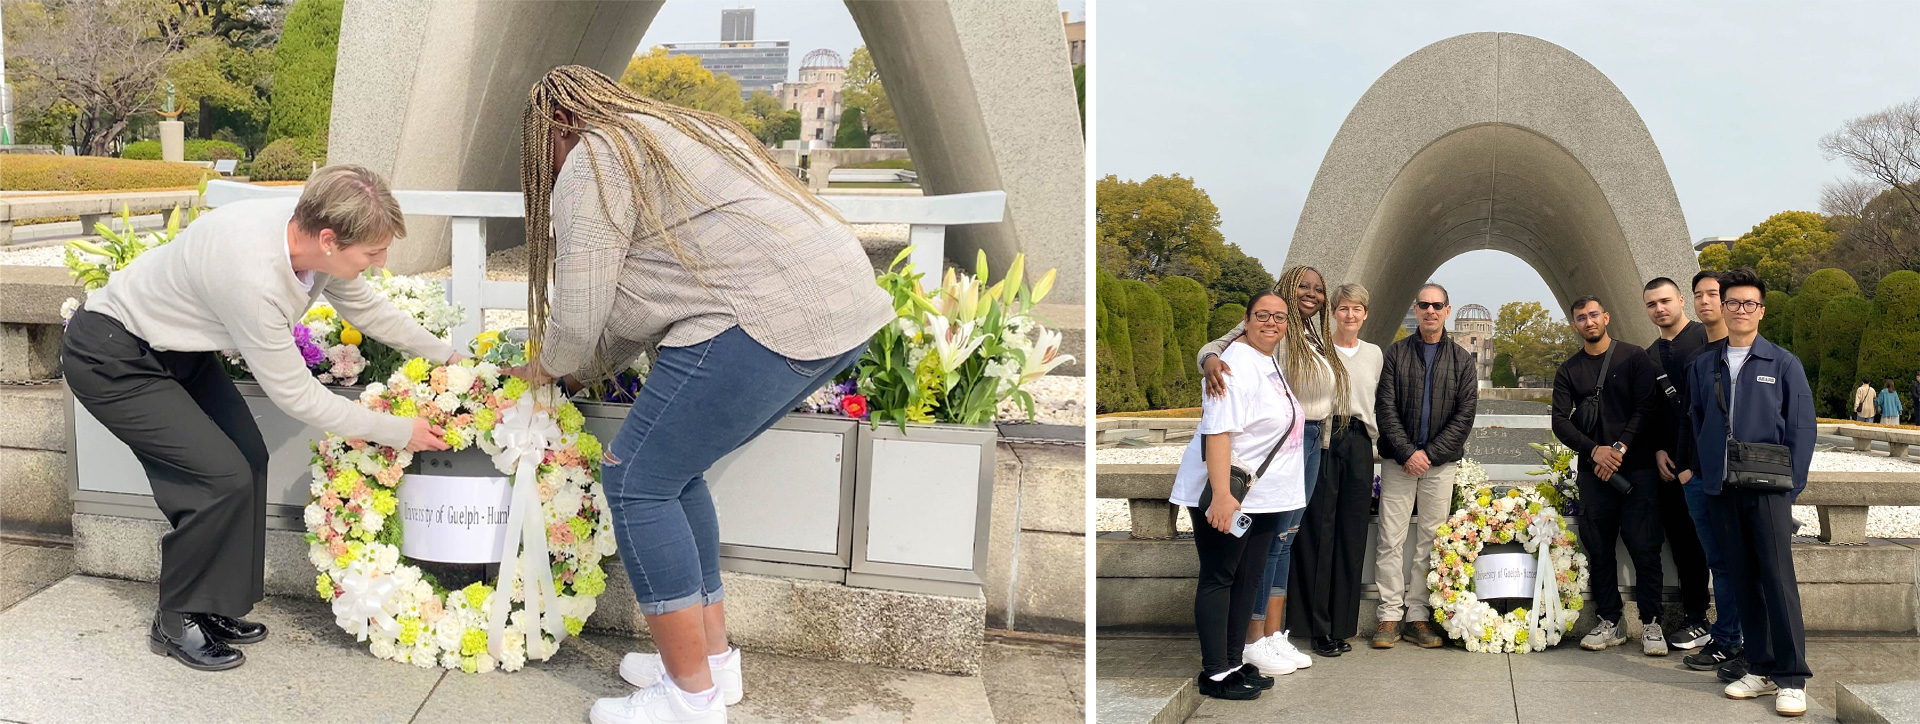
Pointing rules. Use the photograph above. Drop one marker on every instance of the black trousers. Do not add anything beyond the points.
(203, 454)
(1230, 571)
(1324, 584)
(1606, 517)
(1754, 532)
(1689, 558)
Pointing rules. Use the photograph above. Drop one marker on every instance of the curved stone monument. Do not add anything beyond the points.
(1495, 141)
(429, 92)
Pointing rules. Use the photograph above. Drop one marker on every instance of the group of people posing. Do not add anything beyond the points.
(1702, 439)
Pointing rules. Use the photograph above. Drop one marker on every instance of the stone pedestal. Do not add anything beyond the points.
(173, 141)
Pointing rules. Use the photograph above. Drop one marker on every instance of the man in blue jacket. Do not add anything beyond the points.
(1767, 400)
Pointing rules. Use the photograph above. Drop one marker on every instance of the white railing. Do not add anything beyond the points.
(927, 216)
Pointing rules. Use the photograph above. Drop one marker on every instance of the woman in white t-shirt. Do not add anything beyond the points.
(1258, 412)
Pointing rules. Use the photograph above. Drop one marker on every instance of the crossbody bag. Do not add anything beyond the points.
(1757, 466)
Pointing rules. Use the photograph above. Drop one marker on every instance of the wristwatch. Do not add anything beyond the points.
(1619, 448)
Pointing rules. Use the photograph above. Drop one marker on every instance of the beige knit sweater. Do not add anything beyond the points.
(225, 284)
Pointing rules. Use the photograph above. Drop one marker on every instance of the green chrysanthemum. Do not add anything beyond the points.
(346, 480)
(324, 584)
(384, 501)
(410, 628)
(417, 369)
(590, 581)
(589, 446)
(484, 419)
(570, 418)
(580, 527)
(477, 594)
(473, 642)
(405, 407)
(573, 625)
(513, 388)
(454, 439)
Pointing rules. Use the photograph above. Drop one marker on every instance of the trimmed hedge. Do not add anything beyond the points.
(303, 75)
(196, 149)
(1777, 326)
(1890, 347)
(1819, 288)
(1188, 301)
(1841, 324)
(1115, 388)
(1502, 372)
(288, 159)
(903, 164)
(40, 172)
(1149, 321)
(1224, 318)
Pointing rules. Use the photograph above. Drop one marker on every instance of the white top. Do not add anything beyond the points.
(1256, 408)
(225, 284)
(306, 277)
(1363, 379)
(1736, 358)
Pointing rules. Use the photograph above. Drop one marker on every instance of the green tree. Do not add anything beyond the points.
(682, 81)
(1116, 389)
(1777, 326)
(1782, 249)
(1241, 277)
(1149, 322)
(102, 60)
(1532, 339)
(853, 132)
(1223, 320)
(1188, 302)
(768, 120)
(1163, 225)
(303, 71)
(1841, 323)
(1819, 288)
(862, 90)
(1502, 371)
(223, 86)
(1890, 347)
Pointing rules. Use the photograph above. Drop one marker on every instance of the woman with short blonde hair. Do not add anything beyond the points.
(143, 357)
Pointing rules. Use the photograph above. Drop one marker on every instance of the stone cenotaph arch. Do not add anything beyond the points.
(1495, 141)
(429, 92)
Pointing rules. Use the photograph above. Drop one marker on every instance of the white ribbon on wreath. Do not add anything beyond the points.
(525, 432)
(366, 603)
(1546, 584)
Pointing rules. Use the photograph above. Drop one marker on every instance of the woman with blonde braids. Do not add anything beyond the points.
(1307, 359)
(672, 229)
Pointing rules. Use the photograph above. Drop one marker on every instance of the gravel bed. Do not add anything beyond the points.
(1057, 400)
(37, 256)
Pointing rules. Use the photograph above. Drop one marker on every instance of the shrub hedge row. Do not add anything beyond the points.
(38, 172)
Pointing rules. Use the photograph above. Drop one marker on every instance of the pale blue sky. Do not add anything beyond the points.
(1245, 97)
(807, 24)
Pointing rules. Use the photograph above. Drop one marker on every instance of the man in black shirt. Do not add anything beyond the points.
(1671, 431)
(1611, 459)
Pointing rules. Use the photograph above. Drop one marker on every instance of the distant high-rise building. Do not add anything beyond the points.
(736, 25)
(758, 65)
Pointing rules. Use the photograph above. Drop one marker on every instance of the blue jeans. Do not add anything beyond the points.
(1726, 625)
(1280, 555)
(700, 403)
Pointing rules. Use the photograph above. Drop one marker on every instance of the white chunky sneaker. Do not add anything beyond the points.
(1653, 639)
(1279, 644)
(657, 704)
(1604, 634)
(1751, 686)
(643, 669)
(1790, 702)
(1269, 661)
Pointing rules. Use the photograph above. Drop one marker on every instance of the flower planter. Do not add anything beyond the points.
(921, 509)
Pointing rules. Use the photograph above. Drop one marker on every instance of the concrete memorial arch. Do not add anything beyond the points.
(430, 92)
(1495, 141)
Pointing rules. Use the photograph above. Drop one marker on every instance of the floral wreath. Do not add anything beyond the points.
(1519, 515)
(379, 595)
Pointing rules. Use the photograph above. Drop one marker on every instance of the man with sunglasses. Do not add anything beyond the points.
(1619, 486)
(1768, 402)
(1424, 407)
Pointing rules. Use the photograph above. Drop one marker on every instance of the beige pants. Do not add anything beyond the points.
(1403, 597)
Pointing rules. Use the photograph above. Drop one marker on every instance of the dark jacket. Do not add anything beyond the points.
(1396, 405)
(1628, 412)
(1675, 431)
(1772, 403)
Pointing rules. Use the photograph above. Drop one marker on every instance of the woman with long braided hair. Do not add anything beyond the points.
(1309, 363)
(668, 229)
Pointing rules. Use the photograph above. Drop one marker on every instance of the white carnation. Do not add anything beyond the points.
(604, 543)
(314, 516)
(450, 660)
(447, 634)
(382, 647)
(319, 556)
(459, 379)
(488, 372)
(448, 401)
(385, 557)
(423, 656)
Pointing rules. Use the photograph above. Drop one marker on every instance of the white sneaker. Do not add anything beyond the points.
(644, 669)
(657, 704)
(1279, 644)
(1751, 686)
(1790, 702)
(1270, 662)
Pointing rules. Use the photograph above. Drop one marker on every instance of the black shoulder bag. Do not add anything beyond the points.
(1586, 413)
(1240, 478)
(1757, 466)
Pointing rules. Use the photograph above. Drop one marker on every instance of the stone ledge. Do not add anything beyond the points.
(35, 418)
(1893, 703)
(1146, 700)
(1133, 480)
(33, 485)
(814, 619)
(33, 294)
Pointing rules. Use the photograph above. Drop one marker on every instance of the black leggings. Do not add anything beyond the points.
(1230, 571)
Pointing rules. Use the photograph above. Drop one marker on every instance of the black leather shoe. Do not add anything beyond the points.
(1344, 646)
(1233, 687)
(1327, 646)
(232, 630)
(194, 646)
(1256, 679)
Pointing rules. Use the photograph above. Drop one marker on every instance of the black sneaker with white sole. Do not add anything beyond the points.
(1711, 657)
(1693, 636)
(1732, 670)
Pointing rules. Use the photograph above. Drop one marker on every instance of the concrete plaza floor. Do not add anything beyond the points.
(1408, 684)
(74, 651)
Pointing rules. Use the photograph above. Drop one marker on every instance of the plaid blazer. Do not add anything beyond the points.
(799, 283)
